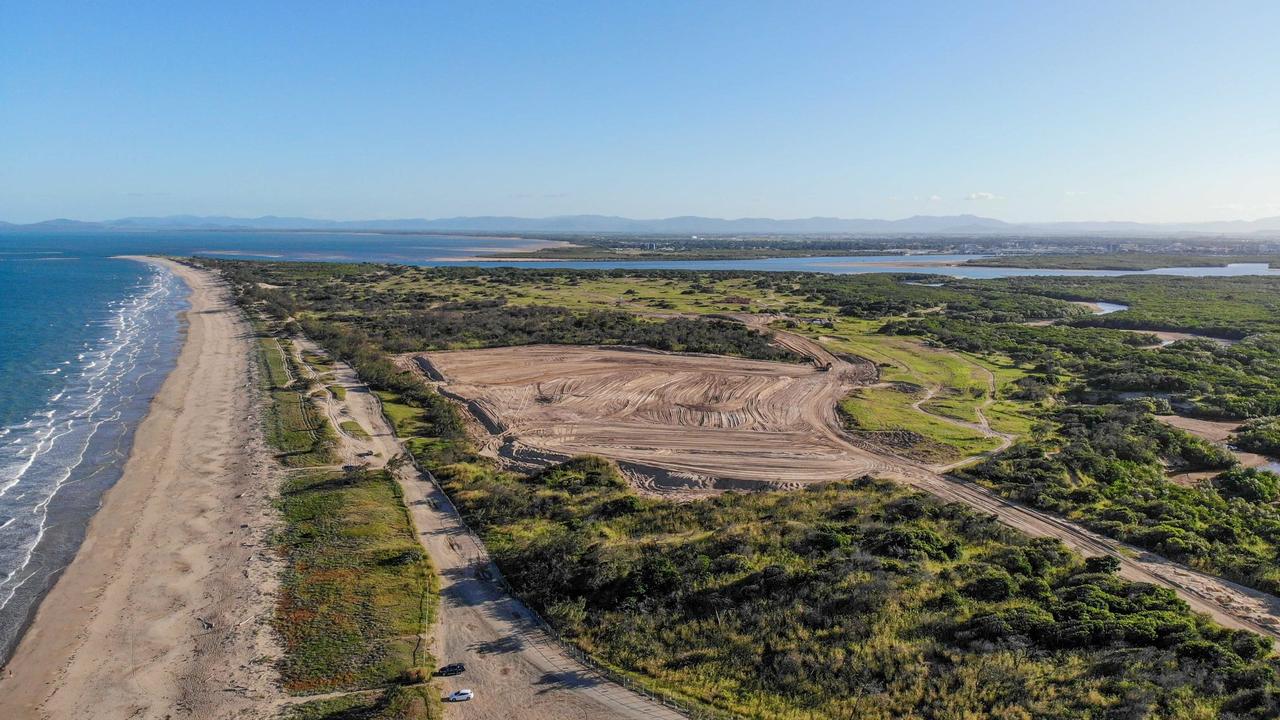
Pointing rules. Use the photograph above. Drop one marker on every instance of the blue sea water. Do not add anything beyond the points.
(85, 342)
(87, 339)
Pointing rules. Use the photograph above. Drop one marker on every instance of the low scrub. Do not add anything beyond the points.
(1260, 436)
(358, 590)
(1106, 468)
(856, 599)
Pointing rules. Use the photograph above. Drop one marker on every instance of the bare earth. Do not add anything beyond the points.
(515, 668)
(164, 610)
(705, 421)
(1215, 431)
(686, 425)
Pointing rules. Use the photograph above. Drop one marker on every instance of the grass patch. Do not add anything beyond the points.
(292, 425)
(406, 419)
(277, 373)
(398, 703)
(885, 415)
(298, 431)
(338, 392)
(358, 589)
(352, 428)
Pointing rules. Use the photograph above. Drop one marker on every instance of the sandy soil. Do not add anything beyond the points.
(705, 421)
(713, 422)
(515, 668)
(1215, 431)
(164, 611)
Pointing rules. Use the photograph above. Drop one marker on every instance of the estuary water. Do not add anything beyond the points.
(87, 339)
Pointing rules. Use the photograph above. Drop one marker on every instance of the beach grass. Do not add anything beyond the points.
(397, 703)
(299, 433)
(302, 435)
(358, 591)
(352, 428)
(338, 392)
(277, 373)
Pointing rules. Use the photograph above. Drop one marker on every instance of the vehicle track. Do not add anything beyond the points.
(516, 669)
(1230, 604)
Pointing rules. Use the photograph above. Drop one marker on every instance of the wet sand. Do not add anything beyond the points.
(164, 611)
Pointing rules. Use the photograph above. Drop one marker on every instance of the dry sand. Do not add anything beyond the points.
(1215, 431)
(164, 611)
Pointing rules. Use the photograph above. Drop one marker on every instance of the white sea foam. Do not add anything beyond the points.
(47, 449)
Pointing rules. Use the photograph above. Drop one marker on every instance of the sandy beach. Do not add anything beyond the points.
(164, 611)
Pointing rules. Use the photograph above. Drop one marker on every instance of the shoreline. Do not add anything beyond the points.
(96, 421)
(165, 607)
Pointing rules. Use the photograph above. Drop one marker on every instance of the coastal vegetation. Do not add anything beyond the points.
(294, 427)
(357, 597)
(1261, 435)
(1105, 467)
(1233, 308)
(1124, 260)
(855, 599)
(794, 604)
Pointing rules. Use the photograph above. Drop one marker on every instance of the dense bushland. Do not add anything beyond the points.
(1198, 377)
(1260, 436)
(1227, 307)
(853, 600)
(494, 323)
(1106, 468)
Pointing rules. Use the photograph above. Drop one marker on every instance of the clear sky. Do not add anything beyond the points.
(1153, 111)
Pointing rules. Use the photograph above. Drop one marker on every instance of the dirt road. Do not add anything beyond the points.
(164, 611)
(514, 667)
(694, 424)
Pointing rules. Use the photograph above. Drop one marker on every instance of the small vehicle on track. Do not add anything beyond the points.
(451, 669)
(460, 696)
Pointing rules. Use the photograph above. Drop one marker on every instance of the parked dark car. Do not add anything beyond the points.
(450, 670)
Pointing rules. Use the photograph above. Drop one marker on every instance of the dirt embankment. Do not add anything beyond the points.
(717, 423)
(515, 668)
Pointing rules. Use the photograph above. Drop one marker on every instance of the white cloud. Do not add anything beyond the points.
(1075, 193)
(982, 196)
(935, 198)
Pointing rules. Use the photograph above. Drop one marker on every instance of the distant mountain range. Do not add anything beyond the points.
(917, 225)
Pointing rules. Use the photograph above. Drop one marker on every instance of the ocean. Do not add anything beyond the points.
(86, 340)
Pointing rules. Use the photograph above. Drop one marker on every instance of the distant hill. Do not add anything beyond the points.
(691, 224)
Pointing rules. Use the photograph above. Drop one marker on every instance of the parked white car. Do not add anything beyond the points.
(460, 696)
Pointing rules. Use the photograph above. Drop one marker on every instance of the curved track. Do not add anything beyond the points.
(560, 401)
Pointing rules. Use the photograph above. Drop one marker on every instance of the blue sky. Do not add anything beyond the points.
(1154, 111)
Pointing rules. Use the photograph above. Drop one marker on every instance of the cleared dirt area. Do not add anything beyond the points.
(516, 669)
(679, 421)
(685, 425)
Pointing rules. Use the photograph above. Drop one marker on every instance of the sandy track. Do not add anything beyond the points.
(516, 670)
(713, 422)
(165, 609)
